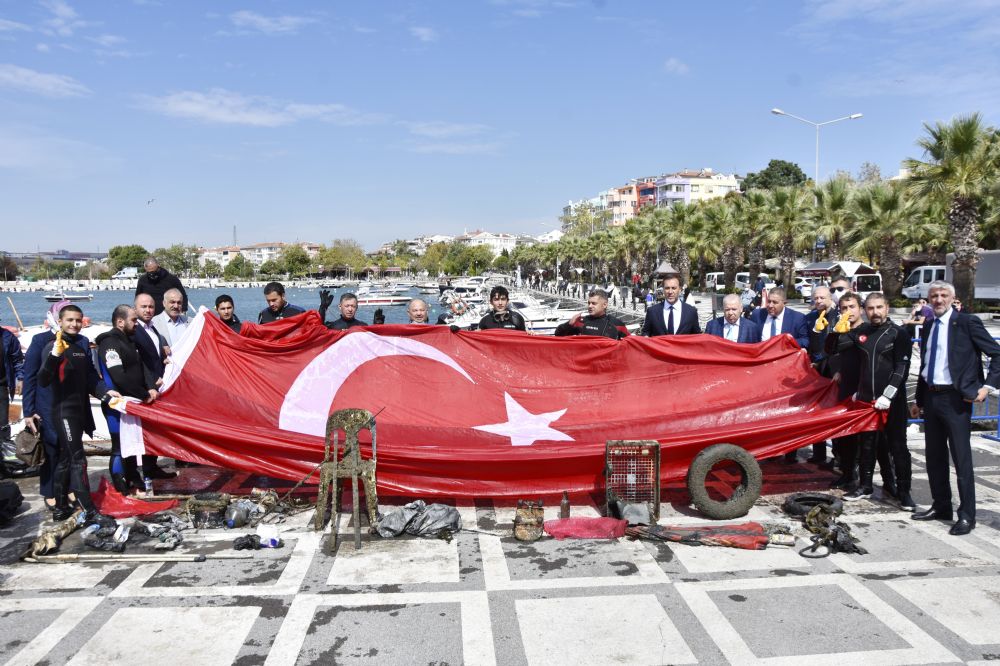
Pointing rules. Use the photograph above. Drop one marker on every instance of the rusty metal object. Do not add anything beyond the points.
(349, 465)
(529, 520)
(632, 473)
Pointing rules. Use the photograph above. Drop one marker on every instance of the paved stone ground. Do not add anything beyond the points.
(920, 596)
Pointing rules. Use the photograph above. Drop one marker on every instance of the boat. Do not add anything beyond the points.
(63, 296)
(373, 295)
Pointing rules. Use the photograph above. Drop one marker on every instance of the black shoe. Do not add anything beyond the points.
(889, 490)
(859, 493)
(931, 514)
(906, 502)
(61, 513)
(160, 473)
(842, 481)
(962, 527)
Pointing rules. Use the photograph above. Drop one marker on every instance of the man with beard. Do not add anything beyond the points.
(884, 353)
(68, 369)
(122, 370)
(172, 323)
(845, 369)
(277, 307)
(226, 310)
(597, 321)
(156, 282)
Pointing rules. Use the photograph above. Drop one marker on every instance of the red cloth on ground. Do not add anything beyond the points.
(112, 503)
(586, 528)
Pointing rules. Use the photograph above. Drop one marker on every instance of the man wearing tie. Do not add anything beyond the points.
(672, 317)
(730, 325)
(951, 379)
(153, 351)
(776, 319)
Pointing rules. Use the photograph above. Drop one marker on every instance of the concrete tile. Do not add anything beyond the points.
(970, 607)
(400, 561)
(708, 559)
(169, 636)
(67, 576)
(627, 629)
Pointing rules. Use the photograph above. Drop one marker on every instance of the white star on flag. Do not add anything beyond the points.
(525, 428)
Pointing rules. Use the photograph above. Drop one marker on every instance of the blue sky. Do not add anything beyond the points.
(384, 120)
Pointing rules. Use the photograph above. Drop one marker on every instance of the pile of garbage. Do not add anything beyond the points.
(104, 533)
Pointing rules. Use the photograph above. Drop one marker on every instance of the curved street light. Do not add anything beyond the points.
(853, 116)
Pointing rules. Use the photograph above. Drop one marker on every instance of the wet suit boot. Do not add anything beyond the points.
(866, 469)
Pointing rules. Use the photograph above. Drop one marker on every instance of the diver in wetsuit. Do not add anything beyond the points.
(68, 369)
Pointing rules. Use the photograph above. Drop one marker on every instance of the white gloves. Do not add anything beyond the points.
(883, 403)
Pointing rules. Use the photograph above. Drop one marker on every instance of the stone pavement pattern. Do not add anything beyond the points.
(920, 596)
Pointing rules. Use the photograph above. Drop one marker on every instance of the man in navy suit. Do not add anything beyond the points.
(153, 351)
(730, 325)
(951, 379)
(777, 318)
(672, 317)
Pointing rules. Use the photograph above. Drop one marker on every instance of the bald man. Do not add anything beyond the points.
(417, 311)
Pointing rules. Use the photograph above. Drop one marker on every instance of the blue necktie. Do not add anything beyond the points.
(933, 354)
(774, 329)
(670, 321)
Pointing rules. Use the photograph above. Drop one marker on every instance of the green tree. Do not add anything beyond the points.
(239, 268)
(831, 214)
(294, 260)
(778, 173)
(126, 256)
(432, 260)
(179, 259)
(10, 269)
(212, 269)
(788, 227)
(584, 219)
(343, 255)
(272, 267)
(884, 216)
(962, 165)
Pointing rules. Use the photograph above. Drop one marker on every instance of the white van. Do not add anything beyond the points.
(715, 281)
(744, 277)
(126, 274)
(987, 277)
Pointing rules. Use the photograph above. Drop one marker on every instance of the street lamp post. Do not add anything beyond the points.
(853, 116)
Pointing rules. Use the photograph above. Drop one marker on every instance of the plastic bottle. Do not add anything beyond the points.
(149, 486)
(564, 506)
(236, 515)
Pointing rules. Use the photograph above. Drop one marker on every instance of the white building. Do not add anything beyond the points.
(496, 242)
(259, 253)
(220, 255)
(550, 236)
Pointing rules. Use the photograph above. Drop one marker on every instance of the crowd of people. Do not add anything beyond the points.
(852, 342)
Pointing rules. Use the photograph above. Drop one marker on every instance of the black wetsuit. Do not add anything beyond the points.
(341, 324)
(607, 326)
(507, 319)
(267, 315)
(883, 354)
(73, 378)
(123, 370)
(234, 324)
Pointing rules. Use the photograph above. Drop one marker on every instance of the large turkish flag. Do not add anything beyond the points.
(486, 413)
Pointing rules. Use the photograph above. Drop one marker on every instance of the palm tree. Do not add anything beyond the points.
(788, 228)
(753, 212)
(963, 161)
(717, 234)
(831, 214)
(883, 215)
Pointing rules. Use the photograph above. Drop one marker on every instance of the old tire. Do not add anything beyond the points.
(743, 497)
(800, 504)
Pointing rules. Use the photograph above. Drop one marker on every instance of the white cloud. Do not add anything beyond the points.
(108, 41)
(455, 148)
(270, 25)
(675, 66)
(41, 47)
(49, 85)
(231, 108)
(13, 26)
(65, 21)
(424, 34)
(437, 129)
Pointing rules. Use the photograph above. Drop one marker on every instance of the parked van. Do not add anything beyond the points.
(987, 277)
(715, 281)
(863, 278)
(744, 277)
(126, 273)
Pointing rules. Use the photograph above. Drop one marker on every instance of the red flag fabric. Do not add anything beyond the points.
(112, 503)
(485, 413)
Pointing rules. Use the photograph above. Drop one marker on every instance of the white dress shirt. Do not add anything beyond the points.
(171, 329)
(732, 331)
(766, 333)
(666, 314)
(147, 329)
(942, 371)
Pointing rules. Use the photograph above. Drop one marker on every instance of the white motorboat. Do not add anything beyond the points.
(63, 296)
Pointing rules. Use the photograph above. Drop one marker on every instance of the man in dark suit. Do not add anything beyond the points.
(731, 326)
(951, 379)
(153, 351)
(777, 318)
(672, 317)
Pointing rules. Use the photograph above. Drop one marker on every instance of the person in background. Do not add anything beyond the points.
(597, 321)
(156, 282)
(671, 317)
(348, 307)
(501, 316)
(226, 309)
(154, 352)
(11, 378)
(416, 310)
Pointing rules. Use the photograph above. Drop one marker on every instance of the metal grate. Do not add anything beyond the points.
(632, 472)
